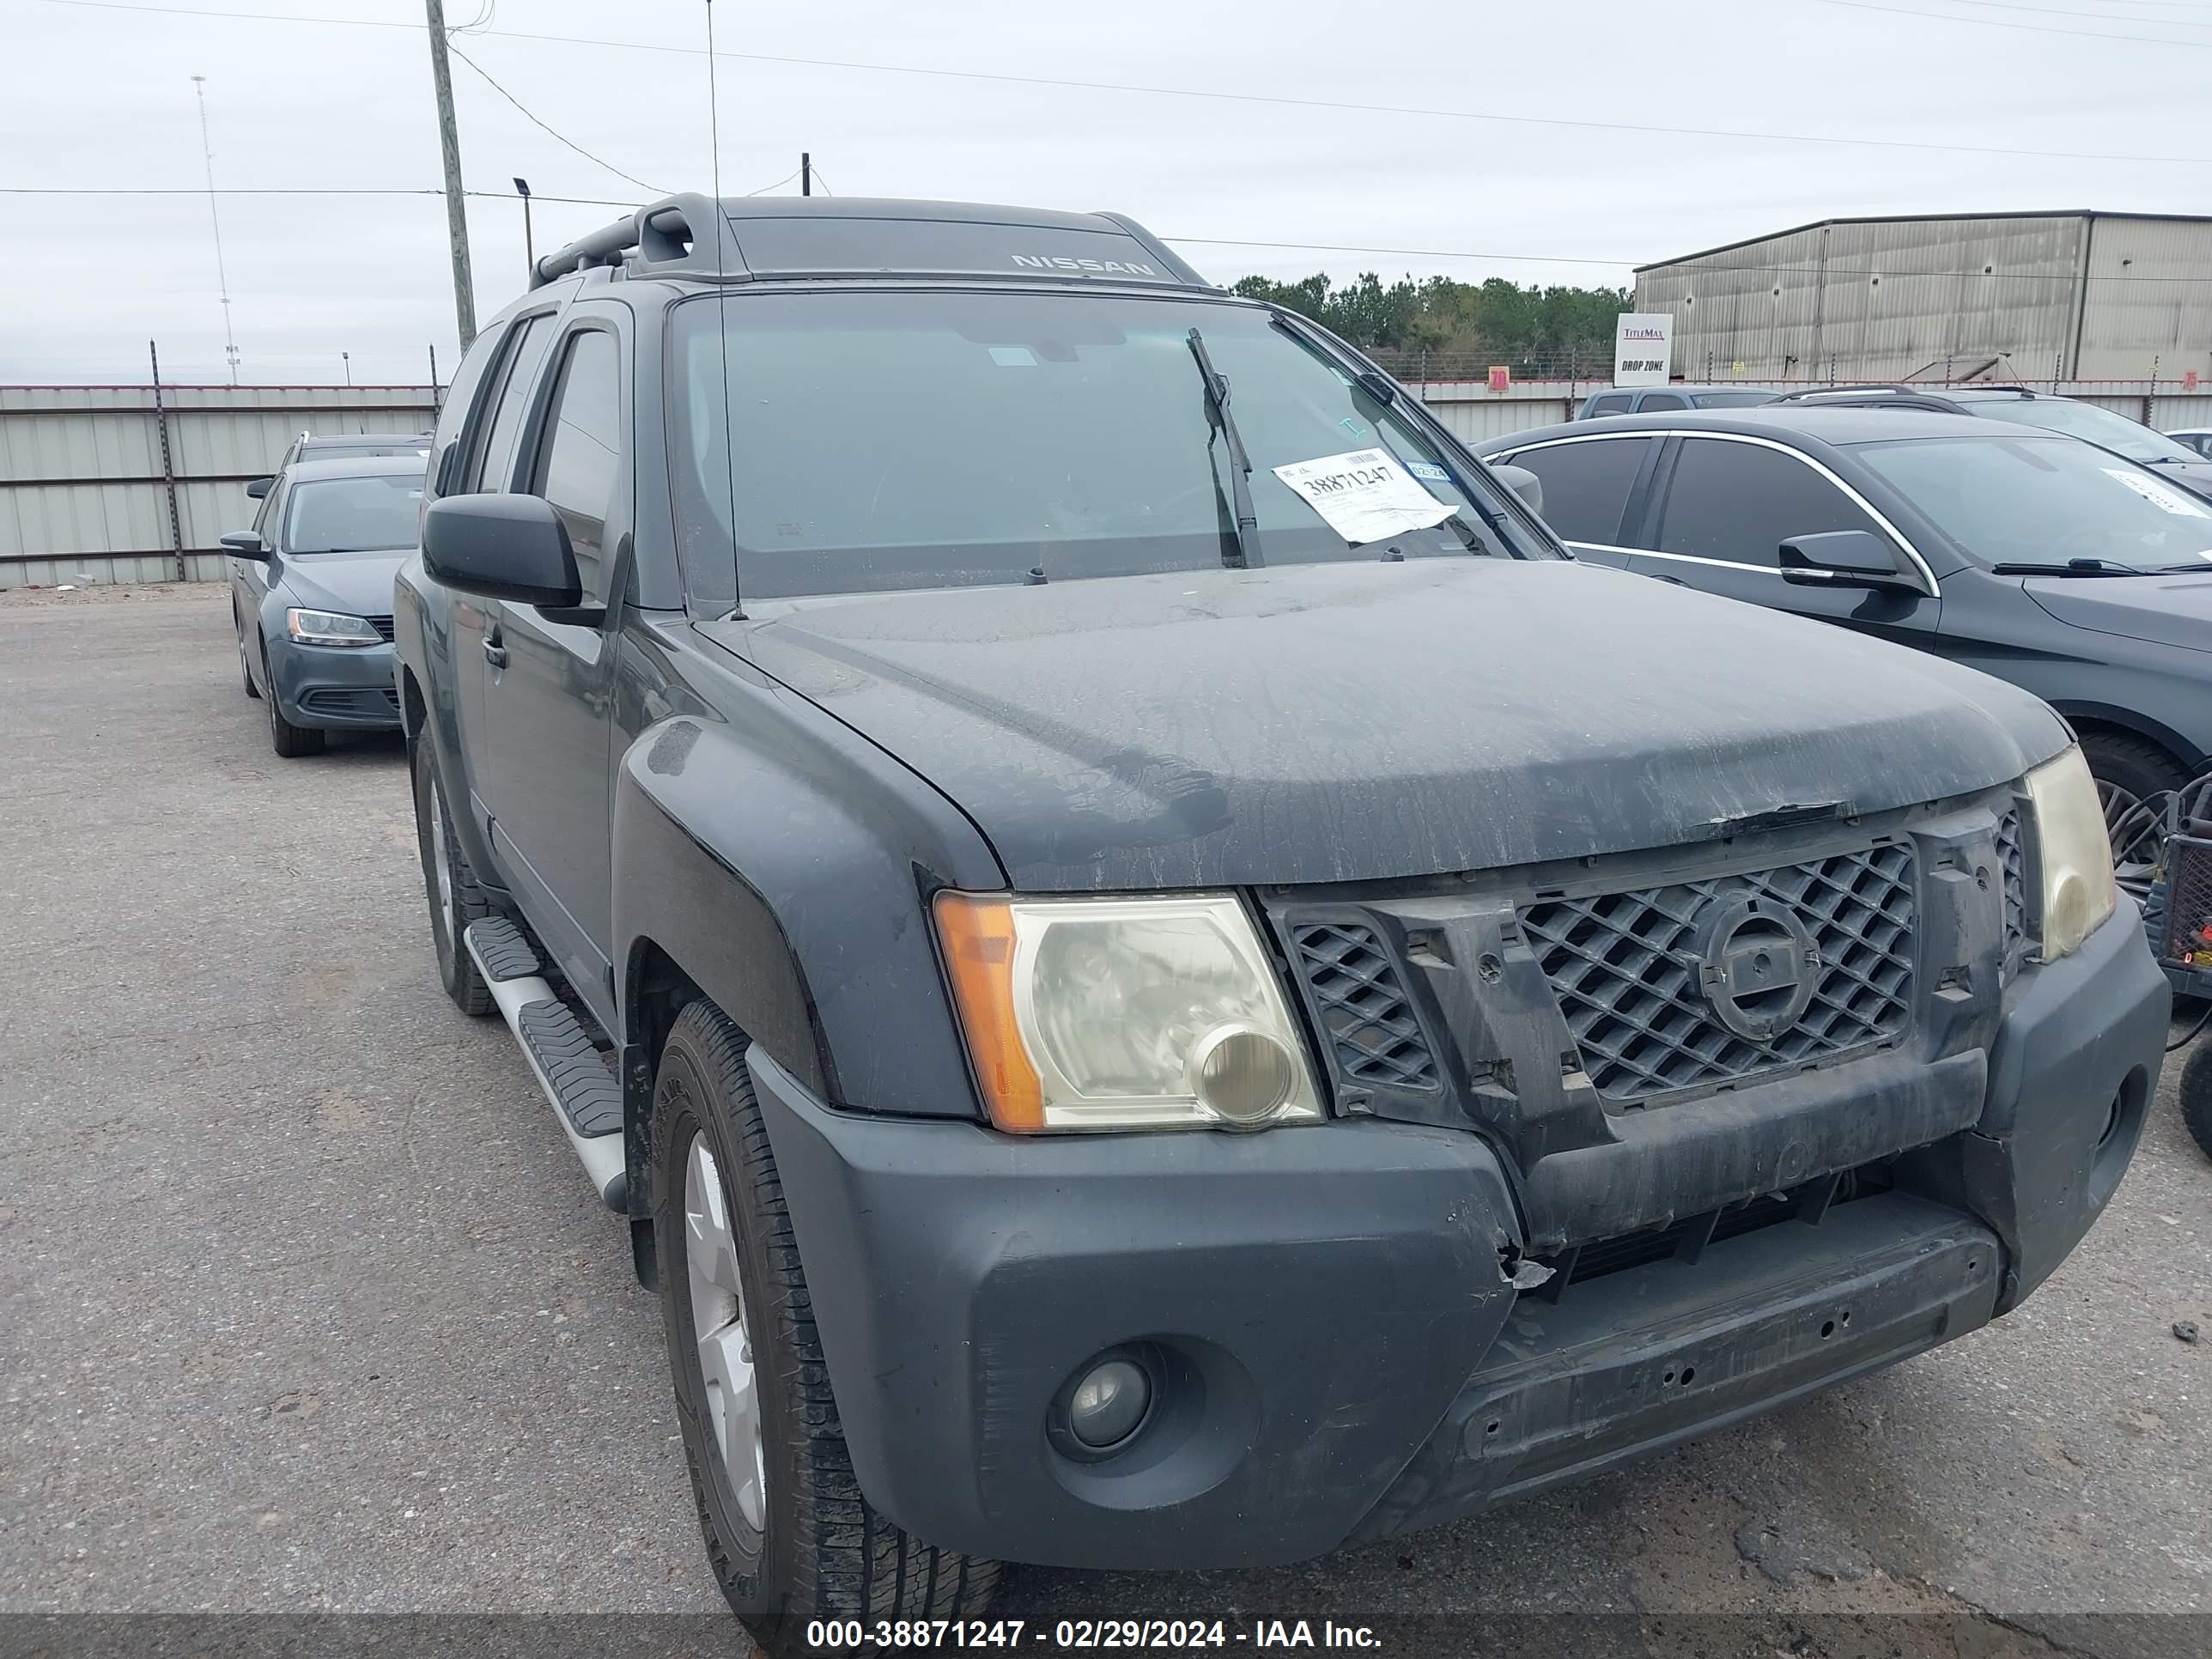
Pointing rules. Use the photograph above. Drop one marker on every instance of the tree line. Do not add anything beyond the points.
(1498, 318)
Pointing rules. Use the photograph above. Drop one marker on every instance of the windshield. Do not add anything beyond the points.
(2045, 500)
(2099, 426)
(945, 439)
(370, 514)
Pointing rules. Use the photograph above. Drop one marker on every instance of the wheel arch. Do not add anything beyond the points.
(2089, 719)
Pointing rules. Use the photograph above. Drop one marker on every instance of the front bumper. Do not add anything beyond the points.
(1341, 1352)
(340, 687)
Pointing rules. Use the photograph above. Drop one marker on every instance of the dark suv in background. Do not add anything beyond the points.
(2023, 406)
(2060, 566)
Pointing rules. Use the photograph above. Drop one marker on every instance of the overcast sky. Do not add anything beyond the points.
(100, 98)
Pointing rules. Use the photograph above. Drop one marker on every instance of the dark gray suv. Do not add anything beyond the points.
(2063, 568)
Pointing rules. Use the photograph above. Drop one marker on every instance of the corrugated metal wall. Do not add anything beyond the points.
(2148, 288)
(1927, 297)
(1879, 301)
(83, 497)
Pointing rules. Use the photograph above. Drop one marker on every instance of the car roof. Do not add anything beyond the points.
(1834, 423)
(310, 441)
(357, 466)
(1679, 385)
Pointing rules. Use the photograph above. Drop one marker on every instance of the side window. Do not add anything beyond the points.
(1586, 485)
(1606, 402)
(1656, 400)
(493, 468)
(461, 396)
(580, 453)
(1741, 501)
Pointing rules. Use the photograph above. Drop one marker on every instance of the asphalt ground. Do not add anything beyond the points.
(305, 1307)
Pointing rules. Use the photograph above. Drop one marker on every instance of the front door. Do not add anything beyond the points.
(549, 692)
(1722, 507)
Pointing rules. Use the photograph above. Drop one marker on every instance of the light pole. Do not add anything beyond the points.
(529, 241)
(457, 207)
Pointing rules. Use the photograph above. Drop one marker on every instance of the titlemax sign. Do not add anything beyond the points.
(1063, 262)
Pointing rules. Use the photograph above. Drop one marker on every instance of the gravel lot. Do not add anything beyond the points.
(304, 1305)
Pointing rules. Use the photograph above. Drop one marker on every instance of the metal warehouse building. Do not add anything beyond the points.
(2037, 296)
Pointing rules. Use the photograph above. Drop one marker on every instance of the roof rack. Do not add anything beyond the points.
(814, 237)
(1904, 389)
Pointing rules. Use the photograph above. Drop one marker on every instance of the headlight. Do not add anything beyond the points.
(2074, 851)
(329, 628)
(1123, 1014)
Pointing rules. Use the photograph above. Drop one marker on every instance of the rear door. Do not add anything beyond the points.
(549, 695)
(1720, 508)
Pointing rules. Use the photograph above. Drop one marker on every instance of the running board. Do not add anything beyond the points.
(584, 1095)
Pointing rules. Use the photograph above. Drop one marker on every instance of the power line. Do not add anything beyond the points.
(1335, 107)
(2025, 28)
(535, 120)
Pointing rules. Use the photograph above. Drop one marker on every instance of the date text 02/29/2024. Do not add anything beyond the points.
(833, 1635)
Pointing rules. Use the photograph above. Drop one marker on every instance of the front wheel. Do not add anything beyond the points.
(449, 883)
(2130, 773)
(788, 1532)
(287, 739)
(244, 662)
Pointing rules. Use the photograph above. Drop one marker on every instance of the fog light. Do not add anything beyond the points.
(1108, 1403)
(1242, 1074)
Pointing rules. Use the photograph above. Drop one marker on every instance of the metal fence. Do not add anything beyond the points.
(135, 483)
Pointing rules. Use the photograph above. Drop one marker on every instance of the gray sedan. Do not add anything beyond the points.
(311, 596)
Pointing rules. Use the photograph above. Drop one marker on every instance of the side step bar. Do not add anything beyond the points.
(584, 1095)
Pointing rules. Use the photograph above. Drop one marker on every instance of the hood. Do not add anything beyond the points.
(2169, 609)
(1346, 722)
(357, 584)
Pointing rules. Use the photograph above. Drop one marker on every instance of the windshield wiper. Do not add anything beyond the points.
(1240, 464)
(2072, 567)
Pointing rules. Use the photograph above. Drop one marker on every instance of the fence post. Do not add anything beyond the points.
(168, 465)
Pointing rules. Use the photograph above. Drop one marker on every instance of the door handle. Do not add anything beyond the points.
(495, 646)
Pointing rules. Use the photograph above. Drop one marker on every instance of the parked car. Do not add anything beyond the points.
(2198, 438)
(1159, 993)
(2060, 566)
(340, 446)
(1636, 400)
(311, 596)
(2091, 422)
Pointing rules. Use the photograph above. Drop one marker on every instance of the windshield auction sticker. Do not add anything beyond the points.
(1365, 495)
(2159, 493)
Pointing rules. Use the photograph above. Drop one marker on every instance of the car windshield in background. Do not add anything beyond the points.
(935, 440)
(2098, 426)
(2045, 500)
(372, 513)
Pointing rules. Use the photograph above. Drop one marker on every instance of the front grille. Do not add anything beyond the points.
(2013, 857)
(1362, 1005)
(1625, 968)
(382, 625)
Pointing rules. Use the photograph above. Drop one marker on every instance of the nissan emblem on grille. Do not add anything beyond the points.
(1756, 964)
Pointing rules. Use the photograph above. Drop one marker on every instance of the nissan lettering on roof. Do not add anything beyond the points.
(1643, 348)
(1088, 267)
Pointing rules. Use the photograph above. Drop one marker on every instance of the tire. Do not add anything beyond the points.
(288, 740)
(791, 1538)
(244, 664)
(2128, 771)
(450, 887)
(2196, 1091)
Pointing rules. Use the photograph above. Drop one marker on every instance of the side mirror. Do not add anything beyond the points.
(1844, 558)
(513, 547)
(1523, 483)
(244, 545)
(260, 487)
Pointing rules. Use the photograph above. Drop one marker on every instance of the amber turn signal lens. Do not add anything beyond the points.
(977, 933)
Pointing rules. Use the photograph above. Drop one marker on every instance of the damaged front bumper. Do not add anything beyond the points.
(1337, 1349)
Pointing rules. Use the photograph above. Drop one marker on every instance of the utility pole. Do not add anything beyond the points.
(457, 206)
(805, 173)
(529, 240)
(222, 277)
